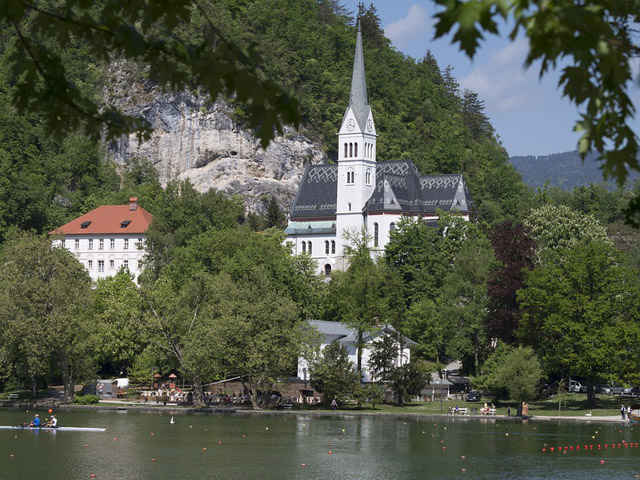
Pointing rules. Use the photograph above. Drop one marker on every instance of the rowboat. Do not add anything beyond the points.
(58, 429)
(634, 416)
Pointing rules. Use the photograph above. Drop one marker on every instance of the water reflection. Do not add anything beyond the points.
(147, 446)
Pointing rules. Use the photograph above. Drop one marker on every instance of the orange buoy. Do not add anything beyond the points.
(444, 448)
(462, 457)
(219, 442)
(244, 436)
(11, 455)
(204, 449)
(93, 475)
(50, 411)
(544, 449)
(464, 470)
(153, 460)
(152, 434)
(85, 445)
(115, 439)
(303, 465)
(552, 449)
(330, 452)
(601, 462)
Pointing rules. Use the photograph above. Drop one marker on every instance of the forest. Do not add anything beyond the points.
(549, 276)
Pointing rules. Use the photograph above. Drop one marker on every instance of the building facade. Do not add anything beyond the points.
(359, 193)
(107, 239)
(348, 338)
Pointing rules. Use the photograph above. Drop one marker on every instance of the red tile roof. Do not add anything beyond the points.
(107, 220)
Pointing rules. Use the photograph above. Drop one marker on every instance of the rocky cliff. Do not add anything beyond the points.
(196, 140)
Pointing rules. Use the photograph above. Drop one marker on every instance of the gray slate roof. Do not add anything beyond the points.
(346, 334)
(399, 188)
(358, 100)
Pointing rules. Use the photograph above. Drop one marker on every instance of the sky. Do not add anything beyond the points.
(529, 114)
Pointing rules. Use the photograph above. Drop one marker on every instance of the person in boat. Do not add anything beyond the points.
(53, 423)
(35, 422)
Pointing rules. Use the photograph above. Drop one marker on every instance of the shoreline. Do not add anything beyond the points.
(176, 410)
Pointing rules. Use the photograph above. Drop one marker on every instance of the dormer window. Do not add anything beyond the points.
(85, 224)
(125, 223)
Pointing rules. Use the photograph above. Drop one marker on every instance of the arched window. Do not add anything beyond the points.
(350, 177)
(327, 270)
(355, 149)
(333, 246)
(350, 149)
(375, 234)
(304, 247)
(345, 149)
(309, 248)
(326, 247)
(368, 177)
(392, 227)
(349, 206)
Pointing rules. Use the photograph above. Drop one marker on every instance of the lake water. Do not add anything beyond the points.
(266, 447)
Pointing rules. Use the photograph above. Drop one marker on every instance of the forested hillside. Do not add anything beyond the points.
(308, 47)
(566, 170)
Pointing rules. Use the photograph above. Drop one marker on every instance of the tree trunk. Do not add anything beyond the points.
(253, 389)
(198, 395)
(591, 394)
(67, 379)
(359, 365)
(34, 384)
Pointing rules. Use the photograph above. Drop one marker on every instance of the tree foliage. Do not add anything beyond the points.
(332, 373)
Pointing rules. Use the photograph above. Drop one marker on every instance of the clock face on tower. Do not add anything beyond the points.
(351, 124)
(369, 125)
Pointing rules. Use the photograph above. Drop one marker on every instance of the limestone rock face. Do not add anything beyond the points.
(196, 140)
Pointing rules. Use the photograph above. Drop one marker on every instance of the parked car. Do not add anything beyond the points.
(616, 389)
(627, 391)
(603, 388)
(473, 396)
(576, 387)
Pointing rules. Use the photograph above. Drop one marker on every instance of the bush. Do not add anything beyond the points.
(86, 399)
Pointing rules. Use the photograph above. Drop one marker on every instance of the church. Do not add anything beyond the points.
(358, 192)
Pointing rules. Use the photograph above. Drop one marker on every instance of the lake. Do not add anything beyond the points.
(145, 445)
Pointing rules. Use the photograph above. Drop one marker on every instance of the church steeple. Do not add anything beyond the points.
(358, 100)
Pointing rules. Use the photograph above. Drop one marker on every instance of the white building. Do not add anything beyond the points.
(360, 193)
(348, 338)
(107, 238)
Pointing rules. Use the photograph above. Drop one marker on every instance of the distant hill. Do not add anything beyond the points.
(565, 170)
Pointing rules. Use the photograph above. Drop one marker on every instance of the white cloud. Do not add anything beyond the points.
(414, 26)
(503, 82)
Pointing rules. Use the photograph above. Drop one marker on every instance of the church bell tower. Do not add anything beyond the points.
(356, 151)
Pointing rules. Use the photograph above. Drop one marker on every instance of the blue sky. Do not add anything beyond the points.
(529, 114)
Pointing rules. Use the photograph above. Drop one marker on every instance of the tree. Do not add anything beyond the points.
(464, 302)
(514, 370)
(558, 226)
(406, 380)
(383, 357)
(146, 32)
(574, 308)
(117, 308)
(43, 304)
(598, 41)
(332, 373)
(514, 250)
(356, 292)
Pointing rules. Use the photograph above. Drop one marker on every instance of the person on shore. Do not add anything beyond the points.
(334, 404)
(623, 411)
(35, 422)
(508, 410)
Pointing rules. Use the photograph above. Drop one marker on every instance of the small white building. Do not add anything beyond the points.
(348, 338)
(107, 239)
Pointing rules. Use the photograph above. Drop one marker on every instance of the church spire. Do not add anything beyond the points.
(358, 101)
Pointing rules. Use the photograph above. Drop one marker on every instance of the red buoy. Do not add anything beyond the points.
(552, 449)
(50, 411)
(601, 462)
(219, 442)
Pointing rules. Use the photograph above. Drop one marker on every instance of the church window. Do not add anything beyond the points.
(392, 227)
(350, 177)
(326, 247)
(309, 248)
(368, 177)
(350, 149)
(304, 247)
(345, 150)
(327, 270)
(349, 206)
(333, 246)
(355, 149)
(375, 234)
